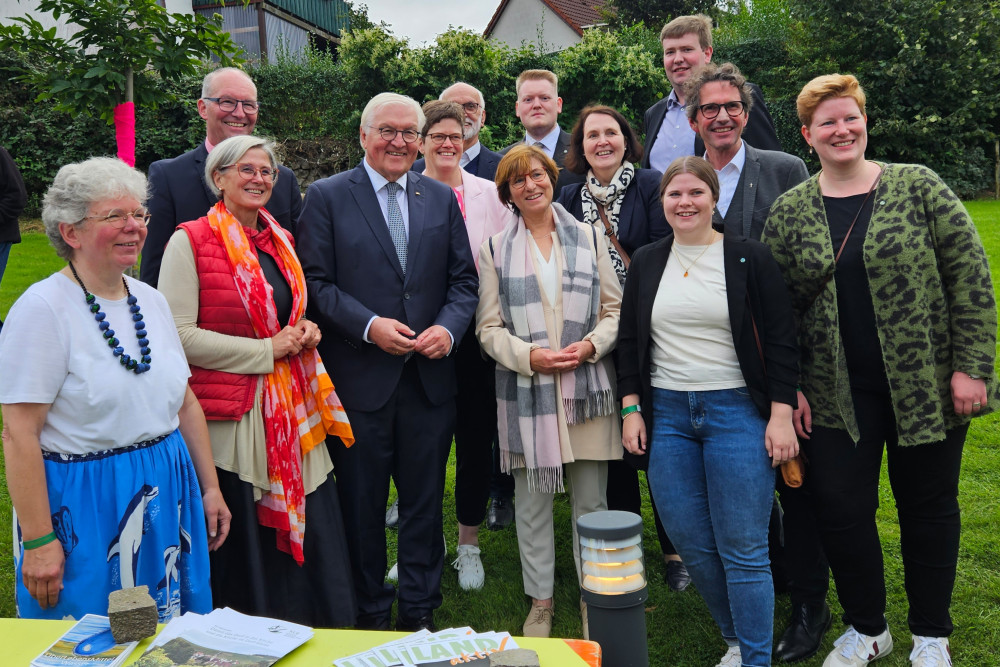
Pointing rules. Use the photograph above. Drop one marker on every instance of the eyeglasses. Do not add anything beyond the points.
(712, 110)
(118, 218)
(437, 138)
(228, 105)
(471, 107)
(389, 134)
(248, 171)
(538, 176)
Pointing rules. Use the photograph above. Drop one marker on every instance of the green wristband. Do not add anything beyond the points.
(39, 541)
(630, 409)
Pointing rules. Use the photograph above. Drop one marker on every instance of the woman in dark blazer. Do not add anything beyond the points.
(615, 194)
(708, 361)
(624, 199)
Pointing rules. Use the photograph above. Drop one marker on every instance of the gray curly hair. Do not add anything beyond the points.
(78, 186)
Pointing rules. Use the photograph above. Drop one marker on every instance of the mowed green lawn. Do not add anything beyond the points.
(680, 631)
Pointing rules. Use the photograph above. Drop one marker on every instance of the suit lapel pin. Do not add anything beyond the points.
(742, 259)
(416, 192)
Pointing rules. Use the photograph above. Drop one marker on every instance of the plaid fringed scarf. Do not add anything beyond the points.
(300, 404)
(526, 406)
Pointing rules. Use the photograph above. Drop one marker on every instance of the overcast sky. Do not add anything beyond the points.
(420, 21)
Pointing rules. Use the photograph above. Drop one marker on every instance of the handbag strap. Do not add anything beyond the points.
(610, 233)
(843, 244)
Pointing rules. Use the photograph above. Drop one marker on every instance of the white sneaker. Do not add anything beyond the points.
(470, 568)
(930, 652)
(854, 649)
(393, 573)
(732, 658)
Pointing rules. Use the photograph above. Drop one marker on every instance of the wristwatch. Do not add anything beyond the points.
(974, 377)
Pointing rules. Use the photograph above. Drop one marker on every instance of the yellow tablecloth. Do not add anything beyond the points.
(22, 640)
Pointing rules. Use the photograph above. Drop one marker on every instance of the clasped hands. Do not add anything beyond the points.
(304, 334)
(395, 338)
(569, 358)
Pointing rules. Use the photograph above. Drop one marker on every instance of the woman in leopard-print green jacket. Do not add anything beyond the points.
(897, 323)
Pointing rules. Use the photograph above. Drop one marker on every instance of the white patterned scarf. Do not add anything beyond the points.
(611, 197)
(526, 406)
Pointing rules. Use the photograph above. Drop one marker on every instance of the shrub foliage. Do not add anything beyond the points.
(929, 67)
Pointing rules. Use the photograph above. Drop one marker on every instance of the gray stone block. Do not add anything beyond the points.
(515, 657)
(132, 613)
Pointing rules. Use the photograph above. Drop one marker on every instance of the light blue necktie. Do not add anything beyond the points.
(397, 230)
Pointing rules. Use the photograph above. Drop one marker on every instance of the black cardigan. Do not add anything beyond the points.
(750, 272)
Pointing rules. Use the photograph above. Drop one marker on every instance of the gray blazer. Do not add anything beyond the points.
(766, 174)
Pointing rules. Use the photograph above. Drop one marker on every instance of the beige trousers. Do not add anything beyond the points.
(586, 483)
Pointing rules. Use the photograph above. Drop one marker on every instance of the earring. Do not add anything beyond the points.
(810, 149)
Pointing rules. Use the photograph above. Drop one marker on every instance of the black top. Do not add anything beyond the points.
(856, 312)
(282, 290)
(13, 198)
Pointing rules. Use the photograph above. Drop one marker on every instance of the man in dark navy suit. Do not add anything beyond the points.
(178, 191)
(476, 158)
(687, 46)
(538, 106)
(391, 282)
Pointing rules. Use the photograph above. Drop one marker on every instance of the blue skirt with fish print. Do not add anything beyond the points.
(129, 516)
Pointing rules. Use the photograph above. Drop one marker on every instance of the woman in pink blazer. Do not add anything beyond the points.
(476, 424)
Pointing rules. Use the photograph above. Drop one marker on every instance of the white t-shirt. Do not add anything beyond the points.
(51, 351)
(692, 338)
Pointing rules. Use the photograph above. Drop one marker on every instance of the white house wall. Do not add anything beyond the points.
(523, 20)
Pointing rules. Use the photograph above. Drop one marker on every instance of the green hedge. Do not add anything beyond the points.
(915, 115)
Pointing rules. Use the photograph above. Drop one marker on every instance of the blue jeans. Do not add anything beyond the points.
(712, 480)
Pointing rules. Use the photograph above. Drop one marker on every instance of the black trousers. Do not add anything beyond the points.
(475, 429)
(408, 438)
(843, 481)
(799, 549)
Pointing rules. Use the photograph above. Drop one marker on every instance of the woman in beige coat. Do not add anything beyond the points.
(549, 301)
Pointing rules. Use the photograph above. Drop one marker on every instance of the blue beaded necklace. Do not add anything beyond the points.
(124, 359)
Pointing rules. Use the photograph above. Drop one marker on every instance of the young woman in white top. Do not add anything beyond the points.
(707, 374)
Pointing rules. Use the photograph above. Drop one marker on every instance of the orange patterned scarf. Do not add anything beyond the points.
(300, 404)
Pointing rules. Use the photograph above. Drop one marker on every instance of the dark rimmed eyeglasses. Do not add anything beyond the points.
(247, 171)
(389, 134)
(228, 104)
(710, 111)
(471, 107)
(118, 218)
(438, 138)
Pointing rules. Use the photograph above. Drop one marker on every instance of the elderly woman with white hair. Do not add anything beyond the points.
(105, 446)
(238, 295)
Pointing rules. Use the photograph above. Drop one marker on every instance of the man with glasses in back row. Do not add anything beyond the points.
(476, 158)
(687, 47)
(178, 191)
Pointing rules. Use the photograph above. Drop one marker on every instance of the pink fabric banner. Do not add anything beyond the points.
(125, 132)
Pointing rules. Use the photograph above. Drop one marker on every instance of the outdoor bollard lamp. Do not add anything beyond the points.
(614, 585)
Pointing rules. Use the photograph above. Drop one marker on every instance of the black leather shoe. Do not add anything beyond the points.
(805, 632)
(425, 622)
(677, 575)
(500, 514)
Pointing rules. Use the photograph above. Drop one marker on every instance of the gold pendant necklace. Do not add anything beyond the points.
(688, 267)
